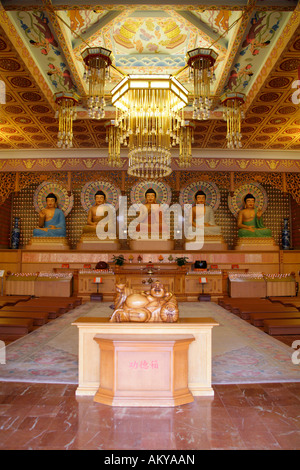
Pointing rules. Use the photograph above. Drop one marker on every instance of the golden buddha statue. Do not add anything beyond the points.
(157, 305)
(252, 234)
(93, 218)
(249, 220)
(152, 230)
(95, 237)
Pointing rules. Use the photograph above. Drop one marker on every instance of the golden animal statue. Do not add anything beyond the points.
(157, 305)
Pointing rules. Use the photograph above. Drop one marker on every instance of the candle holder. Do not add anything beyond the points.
(97, 296)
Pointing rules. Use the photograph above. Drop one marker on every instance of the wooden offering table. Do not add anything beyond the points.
(280, 285)
(53, 284)
(199, 356)
(247, 285)
(141, 370)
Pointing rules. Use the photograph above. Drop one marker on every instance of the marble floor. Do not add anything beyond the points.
(252, 416)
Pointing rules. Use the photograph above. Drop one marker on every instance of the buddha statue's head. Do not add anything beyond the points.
(157, 290)
(150, 196)
(100, 198)
(51, 201)
(249, 201)
(200, 197)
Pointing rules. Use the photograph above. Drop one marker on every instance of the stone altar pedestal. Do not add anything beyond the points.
(151, 245)
(142, 370)
(256, 244)
(48, 243)
(211, 243)
(90, 241)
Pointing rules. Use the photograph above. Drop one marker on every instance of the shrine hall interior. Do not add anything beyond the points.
(122, 98)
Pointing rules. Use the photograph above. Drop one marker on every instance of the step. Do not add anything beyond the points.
(282, 327)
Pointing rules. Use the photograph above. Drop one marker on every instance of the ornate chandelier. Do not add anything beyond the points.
(149, 120)
(201, 69)
(185, 144)
(66, 114)
(97, 61)
(114, 147)
(233, 114)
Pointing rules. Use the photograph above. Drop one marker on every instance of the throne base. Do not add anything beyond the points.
(256, 244)
(48, 243)
(152, 245)
(211, 243)
(92, 242)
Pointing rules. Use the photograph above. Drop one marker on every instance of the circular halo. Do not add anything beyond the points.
(236, 202)
(163, 192)
(213, 196)
(89, 190)
(64, 201)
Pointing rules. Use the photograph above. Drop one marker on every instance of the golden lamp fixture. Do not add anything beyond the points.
(114, 146)
(233, 115)
(201, 63)
(149, 117)
(97, 62)
(185, 144)
(66, 114)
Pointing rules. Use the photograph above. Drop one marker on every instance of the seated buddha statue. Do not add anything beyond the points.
(52, 222)
(152, 231)
(150, 216)
(96, 235)
(210, 227)
(93, 218)
(213, 239)
(250, 222)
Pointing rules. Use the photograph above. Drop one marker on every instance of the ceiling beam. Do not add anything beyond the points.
(25, 56)
(227, 64)
(285, 36)
(204, 28)
(66, 46)
(110, 16)
(177, 5)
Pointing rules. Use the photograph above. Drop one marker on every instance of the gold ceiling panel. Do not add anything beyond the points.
(27, 121)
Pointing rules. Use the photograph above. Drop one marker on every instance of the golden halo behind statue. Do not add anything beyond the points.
(64, 201)
(163, 192)
(211, 190)
(89, 190)
(236, 202)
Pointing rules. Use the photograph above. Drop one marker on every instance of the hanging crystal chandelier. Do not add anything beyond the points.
(97, 62)
(233, 114)
(66, 114)
(185, 144)
(201, 70)
(114, 146)
(149, 119)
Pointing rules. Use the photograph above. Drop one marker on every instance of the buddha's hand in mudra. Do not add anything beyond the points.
(259, 213)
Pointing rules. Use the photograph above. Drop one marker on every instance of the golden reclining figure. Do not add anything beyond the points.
(157, 305)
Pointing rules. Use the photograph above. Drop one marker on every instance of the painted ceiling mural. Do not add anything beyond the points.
(258, 46)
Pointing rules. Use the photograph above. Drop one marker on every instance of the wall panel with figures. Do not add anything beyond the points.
(278, 202)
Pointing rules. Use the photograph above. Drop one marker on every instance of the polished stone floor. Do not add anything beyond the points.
(255, 416)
